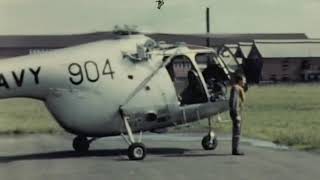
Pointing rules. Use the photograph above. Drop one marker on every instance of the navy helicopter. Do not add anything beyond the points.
(120, 87)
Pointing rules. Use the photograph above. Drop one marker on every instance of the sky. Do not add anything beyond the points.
(176, 16)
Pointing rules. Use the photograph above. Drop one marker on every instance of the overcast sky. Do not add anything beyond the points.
(176, 16)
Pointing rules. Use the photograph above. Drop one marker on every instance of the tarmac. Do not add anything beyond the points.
(170, 156)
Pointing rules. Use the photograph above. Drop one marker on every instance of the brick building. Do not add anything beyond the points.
(284, 60)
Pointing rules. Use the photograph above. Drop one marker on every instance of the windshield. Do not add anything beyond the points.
(211, 67)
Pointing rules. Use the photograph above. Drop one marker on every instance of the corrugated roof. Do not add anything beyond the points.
(221, 39)
(245, 48)
(279, 41)
(232, 47)
(255, 35)
(288, 48)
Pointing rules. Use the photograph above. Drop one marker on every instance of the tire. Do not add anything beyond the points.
(81, 144)
(207, 145)
(137, 151)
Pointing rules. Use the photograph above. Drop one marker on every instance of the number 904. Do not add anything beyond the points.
(89, 71)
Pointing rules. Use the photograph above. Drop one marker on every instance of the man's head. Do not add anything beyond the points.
(240, 80)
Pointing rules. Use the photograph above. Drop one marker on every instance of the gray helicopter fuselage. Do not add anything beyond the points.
(84, 86)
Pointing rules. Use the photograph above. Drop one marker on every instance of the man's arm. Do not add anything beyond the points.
(242, 94)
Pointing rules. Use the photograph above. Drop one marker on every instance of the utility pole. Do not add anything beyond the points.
(208, 26)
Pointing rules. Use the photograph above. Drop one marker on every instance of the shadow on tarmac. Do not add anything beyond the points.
(91, 153)
(164, 152)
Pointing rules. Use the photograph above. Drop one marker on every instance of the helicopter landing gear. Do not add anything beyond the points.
(136, 150)
(81, 144)
(209, 141)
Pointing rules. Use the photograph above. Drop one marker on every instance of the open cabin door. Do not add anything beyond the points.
(187, 82)
(218, 70)
(222, 65)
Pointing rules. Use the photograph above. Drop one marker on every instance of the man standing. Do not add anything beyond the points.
(236, 101)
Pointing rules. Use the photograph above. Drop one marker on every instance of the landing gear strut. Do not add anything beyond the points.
(209, 141)
(136, 150)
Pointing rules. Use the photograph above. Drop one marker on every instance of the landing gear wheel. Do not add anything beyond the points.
(81, 144)
(136, 151)
(209, 145)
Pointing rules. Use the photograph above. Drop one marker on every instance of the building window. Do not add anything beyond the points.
(285, 77)
(312, 77)
(285, 65)
(305, 65)
(273, 77)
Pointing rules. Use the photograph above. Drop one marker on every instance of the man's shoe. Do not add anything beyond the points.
(237, 153)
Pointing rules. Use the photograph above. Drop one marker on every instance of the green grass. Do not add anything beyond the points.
(285, 114)
(19, 116)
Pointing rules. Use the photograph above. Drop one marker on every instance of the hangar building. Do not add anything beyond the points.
(283, 60)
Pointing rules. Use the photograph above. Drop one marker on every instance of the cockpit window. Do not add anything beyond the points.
(211, 68)
(186, 80)
(204, 59)
(214, 74)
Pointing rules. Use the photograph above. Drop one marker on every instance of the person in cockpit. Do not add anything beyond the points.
(194, 92)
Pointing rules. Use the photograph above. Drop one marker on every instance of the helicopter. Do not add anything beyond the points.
(124, 86)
